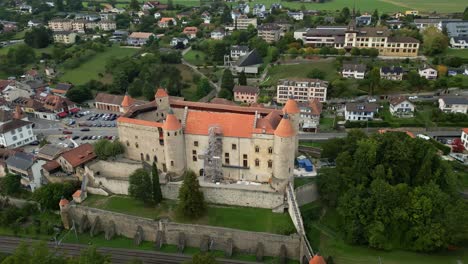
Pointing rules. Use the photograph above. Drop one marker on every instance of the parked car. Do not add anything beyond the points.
(34, 143)
(84, 129)
(67, 132)
(84, 138)
(75, 137)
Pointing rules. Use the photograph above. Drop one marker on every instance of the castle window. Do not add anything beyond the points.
(194, 152)
(257, 149)
(270, 163)
(168, 134)
(128, 144)
(172, 163)
(142, 157)
(175, 133)
(136, 137)
(147, 157)
(195, 143)
(194, 158)
(136, 145)
(226, 158)
(257, 163)
(270, 150)
(161, 142)
(245, 162)
(155, 159)
(234, 146)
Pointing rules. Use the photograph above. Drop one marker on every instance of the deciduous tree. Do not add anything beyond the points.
(140, 186)
(227, 81)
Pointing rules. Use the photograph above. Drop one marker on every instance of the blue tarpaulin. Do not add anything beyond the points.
(305, 164)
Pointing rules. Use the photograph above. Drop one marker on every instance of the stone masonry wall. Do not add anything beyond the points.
(243, 241)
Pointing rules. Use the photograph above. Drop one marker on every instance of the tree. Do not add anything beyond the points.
(21, 55)
(316, 74)
(226, 17)
(374, 80)
(157, 194)
(457, 146)
(202, 258)
(48, 196)
(74, 5)
(191, 200)
(38, 37)
(203, 87)
(140, 186)
(375, 16)
(134, 5)
(92, 256)
(170, 5)
(10, 184)
(227, 81)
(225, 93)
(435, 42)
(105, 149)
(59, 5)
(465, 14)
(242, 78)
(79, 94)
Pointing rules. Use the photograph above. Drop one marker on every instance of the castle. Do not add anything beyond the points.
(220, 142)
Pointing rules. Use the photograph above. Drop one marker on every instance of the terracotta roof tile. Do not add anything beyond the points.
(317, 259)
(79, 155)
(397, 100)
(63, 202)
(285, 128)
(172, 123)
(219, 107)
(142, 35)
(109, 98)
(127, 101)
(161, 93)
(77, 193)
(51, 166)
(291, 107)
(465, 130)
(138, 122)
(232, 125)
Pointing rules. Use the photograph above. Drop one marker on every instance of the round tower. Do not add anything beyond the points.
(127, 102)
(162, 99)
(291, 109)
(174, 144)
(64, 205)
(283, 152)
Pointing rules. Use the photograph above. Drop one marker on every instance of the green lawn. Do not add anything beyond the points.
(191, 57)
(298, 182)
(300, 71)
(326, 124)
(90, 70)
(324, 239)
(422, 117)
(316, 144)
(190, 87)
(463, 53)
(245, 218)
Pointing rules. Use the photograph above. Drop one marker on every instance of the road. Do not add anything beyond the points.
(118, 255)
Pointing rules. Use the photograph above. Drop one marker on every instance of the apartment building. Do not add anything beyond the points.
(302, 90)
(322, 36)
(243, 22)
(60, 25)
(65, 37)
(391, 73)
(356, 71)
(360, 111)
(270, 32)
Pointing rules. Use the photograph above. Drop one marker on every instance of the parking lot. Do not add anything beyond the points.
(93, 125)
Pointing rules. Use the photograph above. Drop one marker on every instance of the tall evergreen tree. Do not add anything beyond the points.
(134, 5)
(157, 194)
(191, 199)
(227, 81)
(242, 78)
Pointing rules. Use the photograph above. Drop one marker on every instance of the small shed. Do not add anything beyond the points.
(305, 163)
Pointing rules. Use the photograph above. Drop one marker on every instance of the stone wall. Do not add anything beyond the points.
(243, 241)
(306, 194)
(228, 195)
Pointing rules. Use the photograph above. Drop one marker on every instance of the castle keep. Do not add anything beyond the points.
(220, 142)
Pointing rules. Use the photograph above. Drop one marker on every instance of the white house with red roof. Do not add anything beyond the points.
(464, 138)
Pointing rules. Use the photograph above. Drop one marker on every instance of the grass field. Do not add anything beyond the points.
(463, 53)
(324, 239)
(191, 57)
(245, 218)
(90, 70)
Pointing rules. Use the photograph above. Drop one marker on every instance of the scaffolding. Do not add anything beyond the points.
(213, 166)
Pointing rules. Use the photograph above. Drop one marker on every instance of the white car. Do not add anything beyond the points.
(413, 97)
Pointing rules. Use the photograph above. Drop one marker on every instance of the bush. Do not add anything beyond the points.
(445, 149)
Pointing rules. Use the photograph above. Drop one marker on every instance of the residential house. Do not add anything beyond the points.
(76, 158)
(166, 22)
(25, 8)
(455, 28)
(218, 34)
(59, 105)
(107, 16)
(150, 5)
(356, 71)
(322, 36)
(296, 15)
(9, 26)
(275, 6)
(464, 138)
(243, 8)
(360, 111)
(394, 24)
(107, 25)
(459, 42)
(139, 38)
(35, 108)
(16, 131)
(65, 37)
(364, 20)
(50, 152)
(49, 72)
(34, 23)
(15, 90)
(270, 32)
(25, 165)
(310, 115)
(428, 73)
(249, 63)
(454, 104)
(179, 42)
(412, 12)
(115, 103)
(258, 9)
(238, 51)
(246, 94)
(62, 89)
(393, 73)
(401, 106)
(206, 17)
(302, 90)
(191, 32)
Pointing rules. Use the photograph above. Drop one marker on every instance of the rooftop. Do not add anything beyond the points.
(13, 124)
(232, 125)
(245, 89)
(20, 160)
(143, 35)
(354, 67)
(79, 155)
(455, 100)
(361, 107)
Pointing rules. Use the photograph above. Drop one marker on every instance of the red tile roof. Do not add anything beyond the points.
(63, 202)
(127, 101)
(79, 155)
(232, 125)
(190, 30)
(109, 98)
(161, 93)
(317, 259)
(77, 193)
(172, 123)
(219, 107)
(138, 122)
(291, 107)
(465, 130)
(285, 128)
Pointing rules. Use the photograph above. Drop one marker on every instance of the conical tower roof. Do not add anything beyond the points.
(285, 128)
(291, 107)
(161, 93)
(172, 123)
(317, 259)
(127, 101)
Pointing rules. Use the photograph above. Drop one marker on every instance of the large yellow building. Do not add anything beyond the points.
(220, 142)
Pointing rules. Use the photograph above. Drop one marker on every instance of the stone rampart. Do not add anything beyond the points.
(306, 194)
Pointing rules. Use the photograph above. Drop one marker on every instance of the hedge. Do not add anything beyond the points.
(445, 149)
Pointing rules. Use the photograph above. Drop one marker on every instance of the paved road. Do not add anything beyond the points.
(118, 256)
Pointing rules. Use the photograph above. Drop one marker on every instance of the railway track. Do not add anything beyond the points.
(118, 255)
(313, 151)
